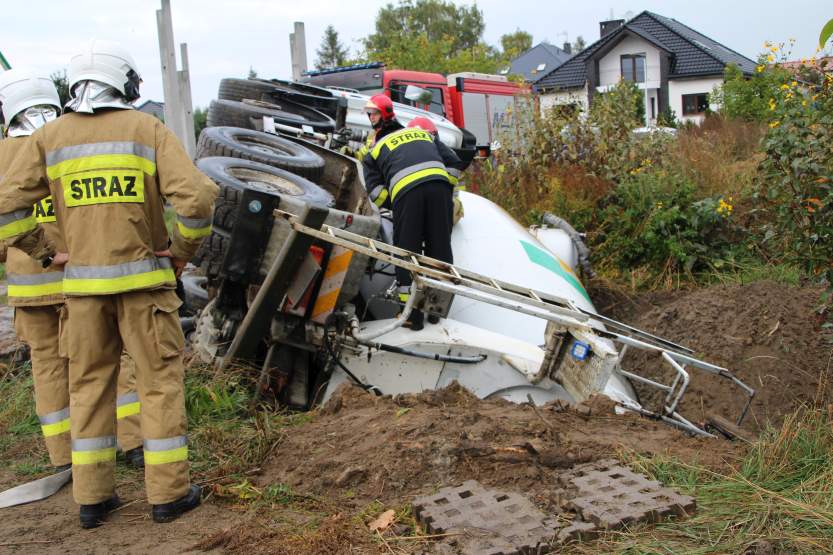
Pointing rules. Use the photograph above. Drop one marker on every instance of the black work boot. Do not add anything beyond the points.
(166, 512)
(93, 516)
(416, 320)
(135, 457)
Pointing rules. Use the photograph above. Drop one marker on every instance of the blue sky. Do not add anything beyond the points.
(226, 38)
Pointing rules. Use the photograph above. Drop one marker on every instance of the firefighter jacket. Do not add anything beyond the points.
(30, 284)
(453, 165)
(400, 161)
(386, 128)
(110, 174)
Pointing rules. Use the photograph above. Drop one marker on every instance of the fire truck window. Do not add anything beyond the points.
(397, 94)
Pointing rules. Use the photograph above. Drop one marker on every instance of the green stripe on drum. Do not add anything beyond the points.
(546, 260)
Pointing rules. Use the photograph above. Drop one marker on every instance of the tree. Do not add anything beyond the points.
(59, 78)
(252, 73)
(431, 35)
(579, 44)
(331, 53)
(437, 20)
(200, 121)
(515, 44)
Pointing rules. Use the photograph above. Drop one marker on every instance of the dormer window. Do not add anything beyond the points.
(633, 67)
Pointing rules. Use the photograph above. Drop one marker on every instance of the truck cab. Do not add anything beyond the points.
(479, 104)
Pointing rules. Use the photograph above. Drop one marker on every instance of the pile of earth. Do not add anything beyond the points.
(771, 335)
(360, 450)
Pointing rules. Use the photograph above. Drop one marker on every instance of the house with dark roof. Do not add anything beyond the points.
(154, 108)
(538, 61)
(676, 67)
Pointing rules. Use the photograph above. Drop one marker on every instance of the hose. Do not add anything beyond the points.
(396, 323)
(575, 237)
(335, 358)
(430, 356)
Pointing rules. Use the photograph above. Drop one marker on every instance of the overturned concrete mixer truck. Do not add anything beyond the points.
(299, 273)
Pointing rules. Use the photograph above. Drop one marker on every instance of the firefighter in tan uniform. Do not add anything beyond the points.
(29, 101)
(110, 169)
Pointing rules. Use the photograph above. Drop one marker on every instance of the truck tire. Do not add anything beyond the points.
(276, 91)
(249, 115)
(247, 144)
(234, 175)
(240, 89)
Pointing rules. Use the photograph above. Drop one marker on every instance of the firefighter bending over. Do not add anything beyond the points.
(405, 168)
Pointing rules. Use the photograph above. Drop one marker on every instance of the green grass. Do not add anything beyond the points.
(781, 493)
(742, 273)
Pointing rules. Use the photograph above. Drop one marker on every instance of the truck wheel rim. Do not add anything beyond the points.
(267, 180)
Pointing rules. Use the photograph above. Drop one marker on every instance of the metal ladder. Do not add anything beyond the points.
(438, 276)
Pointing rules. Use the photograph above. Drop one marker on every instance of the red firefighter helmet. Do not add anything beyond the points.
(383, 104)
(423, 123)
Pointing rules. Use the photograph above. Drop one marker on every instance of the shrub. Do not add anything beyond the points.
(796, 180)
(653, 218)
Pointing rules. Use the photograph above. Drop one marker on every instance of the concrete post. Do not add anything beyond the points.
(167, 56)
(298, 50)
(176, 84)
(184, 75)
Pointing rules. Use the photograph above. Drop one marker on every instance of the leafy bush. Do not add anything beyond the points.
(747, 98)
(653, 218)
(796, 179)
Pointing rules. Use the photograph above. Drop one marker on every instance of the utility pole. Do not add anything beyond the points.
(176, 84)
(298, 51)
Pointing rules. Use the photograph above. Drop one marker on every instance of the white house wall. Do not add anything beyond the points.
(572, 96)
(679, 87)
(610, 68)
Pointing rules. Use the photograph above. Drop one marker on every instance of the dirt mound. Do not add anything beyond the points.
(390, 449)
(769, 334)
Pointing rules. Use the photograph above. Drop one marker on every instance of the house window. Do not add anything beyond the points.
(633, 67)
(695, 104)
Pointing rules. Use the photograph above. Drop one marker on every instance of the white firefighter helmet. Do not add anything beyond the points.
(106, 62)
(21, 89)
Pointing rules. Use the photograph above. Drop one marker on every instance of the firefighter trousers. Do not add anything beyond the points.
(423, 216)
(146, 325)
(38, 327)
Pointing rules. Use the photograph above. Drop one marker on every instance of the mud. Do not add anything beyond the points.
(771, 335)
(360, 452)
(51, 526)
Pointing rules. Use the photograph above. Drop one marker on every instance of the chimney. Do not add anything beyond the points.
(568, 48)
(607, 27)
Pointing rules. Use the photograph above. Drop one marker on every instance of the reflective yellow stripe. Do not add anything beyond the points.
(55, 429)
(17, 227)
(193, 233)
(380, 200)
(164, 457)
(44, 211)
(400, 137)
(119, 284)
(93, 450)
(39, 290)
(128, 410)
(101, 162)
(92, 457)
(453, 179)
(404, 297)
(405, 181)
